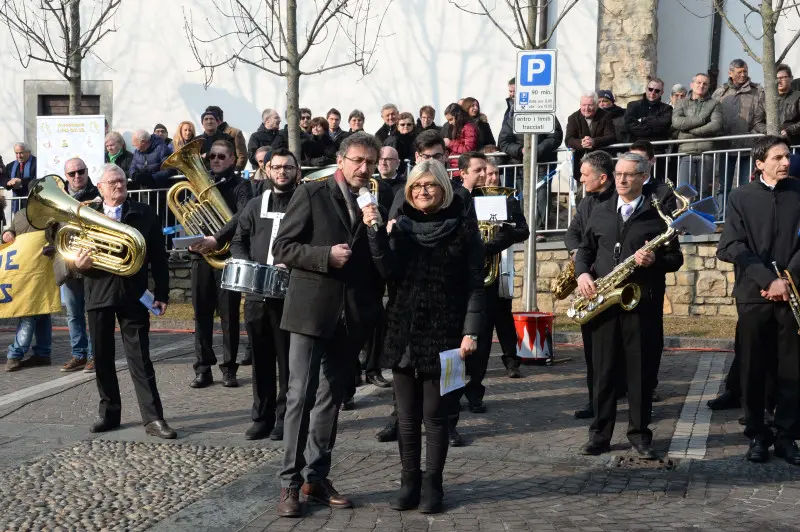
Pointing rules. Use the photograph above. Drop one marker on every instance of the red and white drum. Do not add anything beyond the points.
(534, 335)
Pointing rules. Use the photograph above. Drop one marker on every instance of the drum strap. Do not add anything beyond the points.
(276, 218)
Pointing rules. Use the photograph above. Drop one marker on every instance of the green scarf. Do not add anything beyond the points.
(112, 158)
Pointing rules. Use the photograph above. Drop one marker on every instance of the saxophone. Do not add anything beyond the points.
(565, 283)
(610, 289)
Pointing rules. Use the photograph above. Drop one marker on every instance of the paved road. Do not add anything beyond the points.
(520, 469)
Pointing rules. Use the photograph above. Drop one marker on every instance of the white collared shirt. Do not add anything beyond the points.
(635, 203)
(115, 213)
(771, 187)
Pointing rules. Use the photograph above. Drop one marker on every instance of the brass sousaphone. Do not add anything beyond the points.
(204, 211)
(115, 247)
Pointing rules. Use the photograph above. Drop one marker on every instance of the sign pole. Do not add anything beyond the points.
(530, 276)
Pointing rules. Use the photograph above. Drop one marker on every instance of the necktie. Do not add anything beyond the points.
(627, 210)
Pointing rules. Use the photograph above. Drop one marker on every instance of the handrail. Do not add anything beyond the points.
(687, 141)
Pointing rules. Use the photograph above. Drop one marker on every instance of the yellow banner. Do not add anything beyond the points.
(27, 282)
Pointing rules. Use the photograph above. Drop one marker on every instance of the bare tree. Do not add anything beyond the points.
(263, 34)
(770, 12)
(50, 31)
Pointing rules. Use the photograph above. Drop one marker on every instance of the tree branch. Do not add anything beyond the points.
(748, 5)
(721, 10)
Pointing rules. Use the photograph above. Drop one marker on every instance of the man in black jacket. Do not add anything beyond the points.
(18, 174)
(650, 119)
(334, 297)
(211, 132)
(618, 230)
(597, 177)
(258, 225)
(207, 295)
(389, 114)
(546, 152)
(111, 298)
(498, 311)
(268, 134)
(761, 231)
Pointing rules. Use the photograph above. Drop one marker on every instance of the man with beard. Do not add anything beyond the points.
(333, 300)
(258, 225)
(207, 296)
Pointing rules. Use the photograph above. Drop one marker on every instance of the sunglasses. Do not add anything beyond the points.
(653, 90)
(81, 171)
(305, 117)
(220, 156)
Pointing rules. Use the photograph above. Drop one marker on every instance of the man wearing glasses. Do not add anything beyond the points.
(333, 300)
(617, 229)
(258, 225)
(650, 119)
(72, 294)
(207, 296)
(111, 298)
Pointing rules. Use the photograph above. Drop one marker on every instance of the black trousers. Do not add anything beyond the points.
(374, 346)
(418, 400)
(270, 345)
(769, 345)
(207, 297)
(497, 316)
(134, 324)
(657, 339)
(619, 336)
(733, 382)
(586, 334)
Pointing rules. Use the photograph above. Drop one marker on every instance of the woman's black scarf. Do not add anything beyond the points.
(428, 230)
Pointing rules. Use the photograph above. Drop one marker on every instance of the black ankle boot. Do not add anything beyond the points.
(410, 486)
(432, 494)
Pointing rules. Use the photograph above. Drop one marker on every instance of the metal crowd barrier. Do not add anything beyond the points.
(712, 173)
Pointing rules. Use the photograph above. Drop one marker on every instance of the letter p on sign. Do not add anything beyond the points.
(536, 70)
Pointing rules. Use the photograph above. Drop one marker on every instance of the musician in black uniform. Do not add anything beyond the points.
(597, 177)
(111, 298)
(472, 166)
(207, 295)
(761, 227)
(617, 229)
(258, 225)
(656, 186)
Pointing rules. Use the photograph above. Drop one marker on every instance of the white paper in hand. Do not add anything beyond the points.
(147, 300)
(453, 371)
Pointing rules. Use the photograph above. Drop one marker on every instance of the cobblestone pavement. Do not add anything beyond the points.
(520, 469)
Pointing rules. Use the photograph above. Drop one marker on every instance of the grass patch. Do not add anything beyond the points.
(696, 327)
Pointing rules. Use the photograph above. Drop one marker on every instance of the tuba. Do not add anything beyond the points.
(610, 288)
(489, 230)
(114, 246)
(204, 212)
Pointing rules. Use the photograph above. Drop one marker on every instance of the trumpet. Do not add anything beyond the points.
(794, 297)
(489, 230)
(114, 247)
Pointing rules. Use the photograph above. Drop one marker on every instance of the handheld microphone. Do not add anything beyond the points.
(366, 198)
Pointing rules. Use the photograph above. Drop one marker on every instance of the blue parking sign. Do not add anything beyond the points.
(536, 70)
(523, 97)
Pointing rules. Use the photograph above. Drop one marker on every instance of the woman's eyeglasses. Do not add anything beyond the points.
(427, 187)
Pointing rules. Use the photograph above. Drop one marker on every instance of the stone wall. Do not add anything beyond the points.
(180, 283)
(626, 47)
(702, 287)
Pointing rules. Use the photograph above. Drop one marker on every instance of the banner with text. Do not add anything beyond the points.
(27, 282)
(59, 138)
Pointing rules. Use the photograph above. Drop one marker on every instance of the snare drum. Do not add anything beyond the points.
(254, 278)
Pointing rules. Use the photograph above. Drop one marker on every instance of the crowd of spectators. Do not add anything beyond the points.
(736, 107)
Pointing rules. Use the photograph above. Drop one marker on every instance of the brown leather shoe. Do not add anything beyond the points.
(324, 492)
(289, 504)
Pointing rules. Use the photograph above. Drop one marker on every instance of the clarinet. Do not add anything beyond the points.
(794, 296)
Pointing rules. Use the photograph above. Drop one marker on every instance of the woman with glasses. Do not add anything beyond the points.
(462, 135)
(485, 135)
(319, 149)
(403, 140)
(433, 254)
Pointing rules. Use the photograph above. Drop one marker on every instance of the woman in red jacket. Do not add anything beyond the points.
(463, 135)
